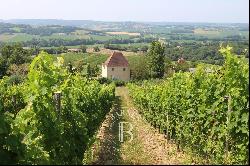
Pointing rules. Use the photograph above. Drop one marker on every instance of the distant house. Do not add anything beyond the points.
(181, 61)
(77, 50)
(192, 70)
(116, 67)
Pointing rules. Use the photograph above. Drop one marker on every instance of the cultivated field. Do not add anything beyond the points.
(124, 33)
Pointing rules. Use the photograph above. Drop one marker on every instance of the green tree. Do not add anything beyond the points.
(3, 67)
(134, 49)
(96, 49)
(168, 67)
(182, 67)
(95, 71)
(106, 45)
(13, 54)
(88, 73)
(144, 48)
(156, 59)
(139, 70)
(35, 49)
(80, 65)
(62, 49)
(83, 48)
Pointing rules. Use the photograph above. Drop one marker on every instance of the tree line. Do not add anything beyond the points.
(203, 52)
(63, 42)
(40, 30)
(126, 48)
(14, 60)
(160, 60)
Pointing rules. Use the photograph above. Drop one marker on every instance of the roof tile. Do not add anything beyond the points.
(116, 59)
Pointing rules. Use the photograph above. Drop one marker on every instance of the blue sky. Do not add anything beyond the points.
(128, 10)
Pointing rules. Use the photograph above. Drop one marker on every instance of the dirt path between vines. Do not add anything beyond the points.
(147, 145)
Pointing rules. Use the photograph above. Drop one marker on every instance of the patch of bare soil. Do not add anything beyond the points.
(124, 33)
(107, 152)
(159, 149)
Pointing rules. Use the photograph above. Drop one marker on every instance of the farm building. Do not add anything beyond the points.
(116, 67)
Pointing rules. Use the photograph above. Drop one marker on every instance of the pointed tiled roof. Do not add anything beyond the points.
(116, 59)
(181, 60)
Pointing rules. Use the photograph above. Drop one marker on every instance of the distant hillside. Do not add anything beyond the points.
(95, 25)
(128, 26)
(89, 22)
(50, 22)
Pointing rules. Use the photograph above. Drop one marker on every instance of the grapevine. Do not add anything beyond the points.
(207, 112)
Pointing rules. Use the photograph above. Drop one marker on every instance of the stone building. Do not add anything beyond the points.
(116, 67)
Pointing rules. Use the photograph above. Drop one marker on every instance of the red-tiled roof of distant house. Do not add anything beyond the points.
(116, 60)
(181, 60)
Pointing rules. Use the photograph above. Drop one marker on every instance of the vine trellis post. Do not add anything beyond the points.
(57, 100)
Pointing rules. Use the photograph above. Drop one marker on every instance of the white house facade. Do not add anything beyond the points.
(116, 67)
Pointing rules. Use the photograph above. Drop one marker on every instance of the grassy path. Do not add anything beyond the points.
(147, 145)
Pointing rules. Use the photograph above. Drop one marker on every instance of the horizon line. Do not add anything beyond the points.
(124, 21)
